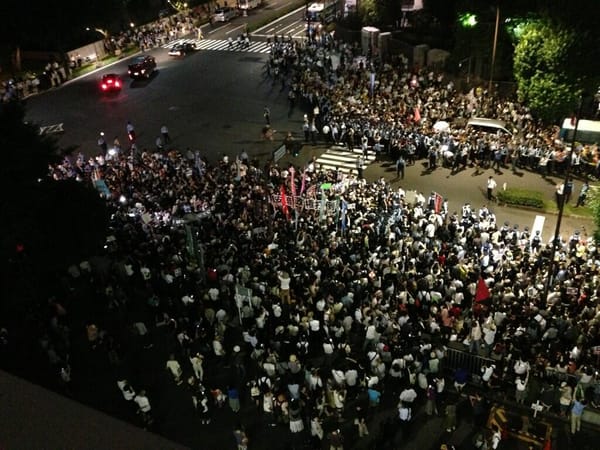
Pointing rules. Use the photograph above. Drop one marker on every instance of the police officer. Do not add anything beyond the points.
(536, 242)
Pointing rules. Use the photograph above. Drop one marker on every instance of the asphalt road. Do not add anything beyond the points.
(212, 101)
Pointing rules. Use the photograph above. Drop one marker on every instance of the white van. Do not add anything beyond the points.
(588, 131)
(492, 126)
(224, 14)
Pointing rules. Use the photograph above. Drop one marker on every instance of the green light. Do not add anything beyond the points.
(468, 20)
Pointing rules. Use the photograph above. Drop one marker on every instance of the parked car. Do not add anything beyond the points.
(111, 82)
(224, 14)
(182, 49)
(142, 67)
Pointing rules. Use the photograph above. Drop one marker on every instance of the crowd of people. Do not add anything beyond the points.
(341, 309)
(315, 296)
(364, 102)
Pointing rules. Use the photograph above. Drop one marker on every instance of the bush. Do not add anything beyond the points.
(521, 197)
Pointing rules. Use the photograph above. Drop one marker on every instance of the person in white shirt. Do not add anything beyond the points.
(475, 337)
(268, 408)
(218, 347)
(371, 337)
(126, 390)
(351, 377)
(521, 367)
(144, 408)
(284, 287)
(175, 368)
(496, 438)
(196, 362)
(316, 431)
(491, 185)
(487, 372)
(521, 389)
(408, 396)
(314, 381)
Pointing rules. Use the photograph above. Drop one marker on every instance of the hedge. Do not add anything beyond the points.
(521, 197)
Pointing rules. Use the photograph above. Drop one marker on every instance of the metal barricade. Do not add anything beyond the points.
(461, 359)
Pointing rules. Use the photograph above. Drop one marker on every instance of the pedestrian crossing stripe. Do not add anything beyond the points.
(222, 45)
(340, 158)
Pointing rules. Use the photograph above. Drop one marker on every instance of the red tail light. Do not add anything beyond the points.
(117, 84)
(104, 86)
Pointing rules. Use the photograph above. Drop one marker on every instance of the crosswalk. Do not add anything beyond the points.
(338, 157)
(222, 45)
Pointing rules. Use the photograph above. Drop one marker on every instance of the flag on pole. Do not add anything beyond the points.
(293, 186)
(323, 205)
(344, 215)
(372, 83)
(417, 115)
(482, 292)
(284, 204)
(303, 184)
(438, 201)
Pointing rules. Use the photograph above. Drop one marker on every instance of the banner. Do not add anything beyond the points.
(303, 184)
(438, 201)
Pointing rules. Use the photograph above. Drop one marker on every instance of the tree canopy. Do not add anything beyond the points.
(46, 224)
(541, 68)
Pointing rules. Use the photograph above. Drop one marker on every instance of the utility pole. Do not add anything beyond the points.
(495, 45)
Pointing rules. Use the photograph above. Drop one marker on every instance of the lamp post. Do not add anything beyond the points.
(468, 21)
(561, 205)
(494, 47)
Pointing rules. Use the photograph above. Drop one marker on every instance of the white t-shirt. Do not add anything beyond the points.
(487, 374)
(351, 377)
(284, 283)
(142, 402)
(174, 367)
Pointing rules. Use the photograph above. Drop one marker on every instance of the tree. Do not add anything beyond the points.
(593, 202)
(543, 69)
(46, 224)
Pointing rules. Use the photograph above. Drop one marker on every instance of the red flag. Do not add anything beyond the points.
(438, 200)
(293, 186)
(482, 293)
(417, 116)
(284, 204)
